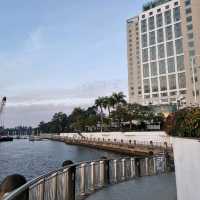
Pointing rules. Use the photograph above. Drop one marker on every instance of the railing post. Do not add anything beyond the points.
(147, 166)
(165, 164)
(132, 167)
(82, 181)
(55, 186)
(154, 165)
(123, 169)
(115, 170)
(70, 191)
(138, 167)
(43, 189)
(93, 176)
(104, 172)
(107, 171)
(101, 172)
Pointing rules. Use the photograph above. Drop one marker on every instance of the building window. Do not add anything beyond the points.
(189, 27)
(161, 51)
(144, 26)
(144, 40)
(154, 84)
(153, 68)
(146, 86)
(171, 65)
(164, 94)
(159, 20)
(190, 35)
(192, 52)
(173, 93)
(182, 80)
(179, 46)
(189, 19)
(169, 34)
(170, 49)
(177, 14)
(154, 95)
(151, 23)
(180, 63)
(178, 30)
(172, 82)
(160, 35)
(153, 53)
(188, 11)
(187, 2)
(146, 70)
(163, 83)
(147, 96)
(162, 68)
(168, 17)
(145, 55)
(191, 44)
(183, 92)
(152, 38)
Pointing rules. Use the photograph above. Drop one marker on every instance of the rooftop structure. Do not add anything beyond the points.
(152, 4)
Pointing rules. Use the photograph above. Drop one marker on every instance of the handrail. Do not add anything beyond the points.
(101, 172)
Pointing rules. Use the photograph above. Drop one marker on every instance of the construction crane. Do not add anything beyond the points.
(3, 103)
(3, 136)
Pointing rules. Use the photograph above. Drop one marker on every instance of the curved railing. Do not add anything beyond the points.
(78, 180)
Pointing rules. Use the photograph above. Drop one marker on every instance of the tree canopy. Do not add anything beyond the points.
(109, 113)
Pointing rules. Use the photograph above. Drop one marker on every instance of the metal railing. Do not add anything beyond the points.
(78, 180)
(128, 143)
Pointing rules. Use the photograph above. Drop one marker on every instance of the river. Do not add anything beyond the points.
(32, 159)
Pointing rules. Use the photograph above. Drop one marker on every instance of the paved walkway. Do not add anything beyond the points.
(161, 187)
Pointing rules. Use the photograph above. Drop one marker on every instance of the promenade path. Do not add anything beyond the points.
(160, 187)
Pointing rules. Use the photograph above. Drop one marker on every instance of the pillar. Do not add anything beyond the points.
(93, 176)
(132, 167)
(82, 179)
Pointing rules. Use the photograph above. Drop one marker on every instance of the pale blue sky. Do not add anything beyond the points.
(57, 54)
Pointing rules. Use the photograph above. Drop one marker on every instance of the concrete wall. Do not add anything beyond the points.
(156, 136)
(187, 166)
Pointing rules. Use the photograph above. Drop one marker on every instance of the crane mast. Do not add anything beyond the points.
(2, 106)
(3, 103)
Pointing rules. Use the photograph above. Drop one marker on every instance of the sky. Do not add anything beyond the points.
(59, 54)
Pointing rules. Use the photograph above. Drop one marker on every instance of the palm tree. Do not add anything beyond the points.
(118, 98)
(99, 103)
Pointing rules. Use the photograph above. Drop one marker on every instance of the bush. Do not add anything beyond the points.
(184, 123)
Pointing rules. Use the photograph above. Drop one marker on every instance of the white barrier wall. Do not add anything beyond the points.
(155, 136)
(187, 167)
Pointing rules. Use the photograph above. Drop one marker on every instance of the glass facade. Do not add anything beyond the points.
(162, 52)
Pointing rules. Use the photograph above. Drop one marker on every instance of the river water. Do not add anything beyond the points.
(32, 159)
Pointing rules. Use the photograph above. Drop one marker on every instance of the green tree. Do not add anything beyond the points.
(118, 98)
(99, 103)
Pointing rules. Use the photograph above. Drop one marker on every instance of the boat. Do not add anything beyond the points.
(6, 139)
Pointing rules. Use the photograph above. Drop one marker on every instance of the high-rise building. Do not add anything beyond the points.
(164, 53)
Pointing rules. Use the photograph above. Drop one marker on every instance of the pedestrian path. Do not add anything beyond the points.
(161, 187)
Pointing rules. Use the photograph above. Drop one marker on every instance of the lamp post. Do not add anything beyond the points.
(193, 78)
